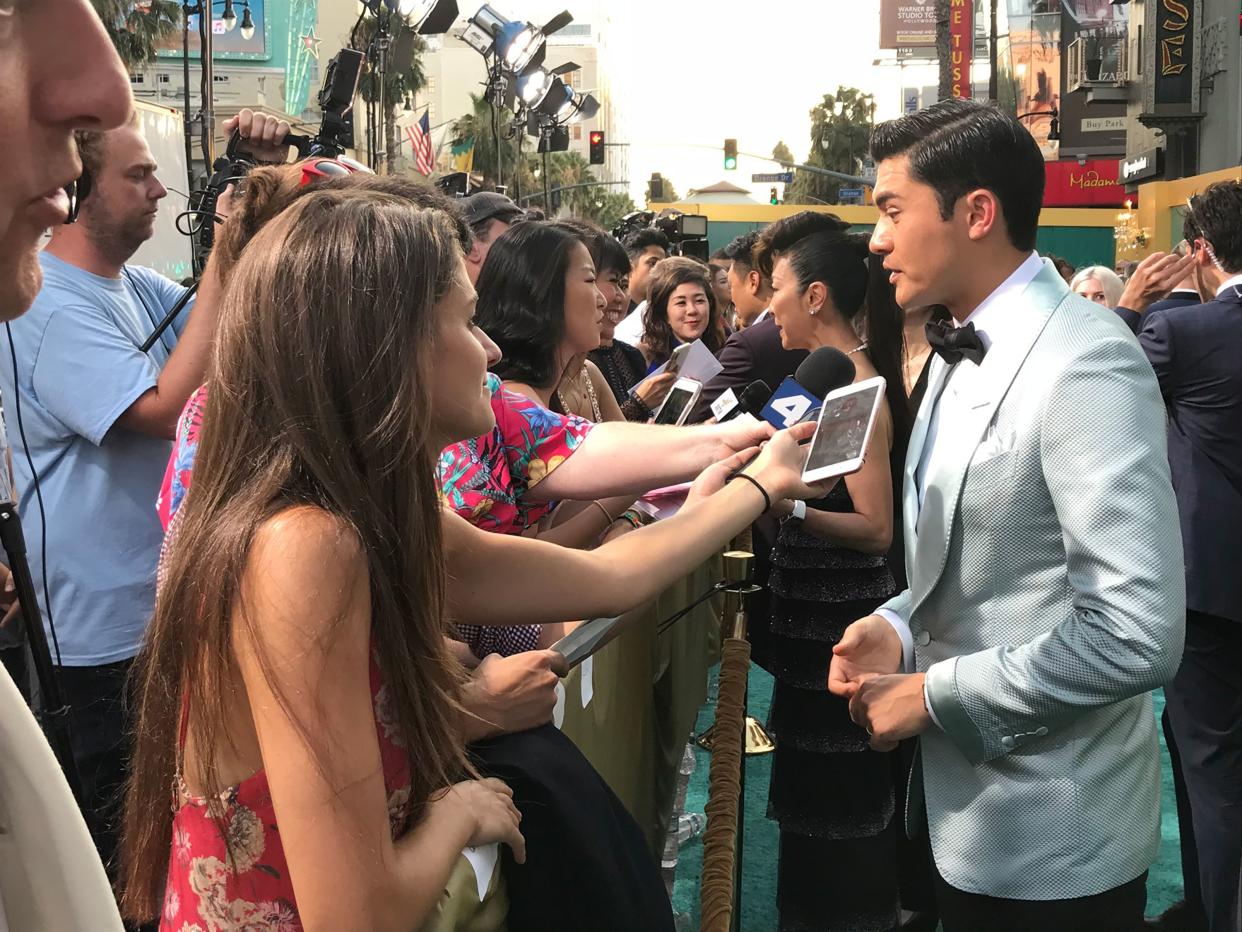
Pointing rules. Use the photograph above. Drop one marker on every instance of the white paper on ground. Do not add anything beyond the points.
(588, 680)
(558, 710)
(700, 365)
(483, 859)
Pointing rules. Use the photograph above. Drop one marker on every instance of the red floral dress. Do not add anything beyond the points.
(244, 885)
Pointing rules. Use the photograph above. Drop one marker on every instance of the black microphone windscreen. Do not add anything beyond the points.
(825, 370)
(754, 397)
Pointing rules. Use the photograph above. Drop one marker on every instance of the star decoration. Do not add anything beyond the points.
(311, 43)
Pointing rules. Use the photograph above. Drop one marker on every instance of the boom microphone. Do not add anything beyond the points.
(824, 371)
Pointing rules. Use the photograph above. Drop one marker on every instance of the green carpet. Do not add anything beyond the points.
(1164, 884)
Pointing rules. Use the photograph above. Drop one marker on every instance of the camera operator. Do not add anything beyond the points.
(99, 415)
(646, 248)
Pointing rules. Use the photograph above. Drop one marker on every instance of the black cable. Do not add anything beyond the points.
(34, 476)
(678, 616)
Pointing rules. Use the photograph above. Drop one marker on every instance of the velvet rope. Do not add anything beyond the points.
(724, 790)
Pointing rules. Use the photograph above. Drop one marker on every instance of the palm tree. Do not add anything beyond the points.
(137, 29)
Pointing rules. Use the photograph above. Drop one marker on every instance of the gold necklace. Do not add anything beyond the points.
(857, 349)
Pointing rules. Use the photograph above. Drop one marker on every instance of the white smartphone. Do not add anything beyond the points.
(846, 419)
(679, 401)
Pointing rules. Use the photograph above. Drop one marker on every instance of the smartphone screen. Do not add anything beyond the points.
(676, 403)
(842, 429)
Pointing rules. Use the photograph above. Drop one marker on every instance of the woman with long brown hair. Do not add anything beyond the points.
(681, 309)
(295, 690)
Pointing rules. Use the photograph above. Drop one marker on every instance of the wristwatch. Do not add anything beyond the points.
(798, 513)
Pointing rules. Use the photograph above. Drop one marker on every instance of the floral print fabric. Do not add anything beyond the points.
(239, 881)
(485, 480)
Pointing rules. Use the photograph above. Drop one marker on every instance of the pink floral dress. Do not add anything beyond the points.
(244, 885)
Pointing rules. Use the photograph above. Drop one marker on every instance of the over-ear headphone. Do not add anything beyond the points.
(78, 191)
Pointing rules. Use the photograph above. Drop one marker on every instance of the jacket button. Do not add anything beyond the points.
(924, 639)
(1007, 742)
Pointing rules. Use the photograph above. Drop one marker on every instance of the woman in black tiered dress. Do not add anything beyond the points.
(832, 795)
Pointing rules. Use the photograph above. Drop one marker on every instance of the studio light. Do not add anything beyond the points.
(533, 87)
(519, 46)
(585, 108)
(558, 101)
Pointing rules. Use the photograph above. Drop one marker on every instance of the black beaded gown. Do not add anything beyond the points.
(831, 794)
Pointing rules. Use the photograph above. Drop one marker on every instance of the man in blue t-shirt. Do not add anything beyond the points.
(99, 416)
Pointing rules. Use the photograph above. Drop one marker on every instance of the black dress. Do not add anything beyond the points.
(831, 794)
(623, 367)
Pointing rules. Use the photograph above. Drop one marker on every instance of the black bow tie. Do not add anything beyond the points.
(955, 343)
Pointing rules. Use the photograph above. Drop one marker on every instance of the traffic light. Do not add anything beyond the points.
(730, 154)
(597, 147)
(772, 199)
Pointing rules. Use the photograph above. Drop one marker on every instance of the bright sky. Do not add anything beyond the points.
(687, 74)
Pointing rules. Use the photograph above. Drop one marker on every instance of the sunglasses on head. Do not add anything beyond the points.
(331, 168)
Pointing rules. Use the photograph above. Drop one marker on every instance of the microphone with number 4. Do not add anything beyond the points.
(798, 398)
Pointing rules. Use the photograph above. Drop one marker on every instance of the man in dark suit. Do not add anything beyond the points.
(1147, 289)
(1197, 354)
(754, 350)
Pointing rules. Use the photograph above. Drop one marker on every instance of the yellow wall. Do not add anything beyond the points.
(866, 216)
(1156, 201)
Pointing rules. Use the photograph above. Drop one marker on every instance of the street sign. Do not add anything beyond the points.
(772, 177)
(844, 193)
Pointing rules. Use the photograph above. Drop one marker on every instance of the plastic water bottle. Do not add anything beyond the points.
(688, 761)
(690, 826)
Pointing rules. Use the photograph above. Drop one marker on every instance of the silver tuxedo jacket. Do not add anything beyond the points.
(1046, 601)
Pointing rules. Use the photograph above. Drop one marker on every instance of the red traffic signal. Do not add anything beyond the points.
(597, 147)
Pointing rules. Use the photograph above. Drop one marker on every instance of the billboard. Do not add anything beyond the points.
(907, 23)
(1092, 184)
(225, 43)
(1034, 66)
(1104, 27)
(961, 46)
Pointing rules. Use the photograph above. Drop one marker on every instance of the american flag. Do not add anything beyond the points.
(420, 139)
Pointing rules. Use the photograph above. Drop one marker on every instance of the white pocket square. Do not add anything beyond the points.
(993, 445)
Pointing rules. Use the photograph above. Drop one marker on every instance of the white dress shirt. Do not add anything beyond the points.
(1235, 282)
(630, 330)
(992, 320)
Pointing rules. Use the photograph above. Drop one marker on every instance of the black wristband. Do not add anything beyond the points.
(767, 499)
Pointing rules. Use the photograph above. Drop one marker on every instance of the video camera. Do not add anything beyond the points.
(336, 134)
(687, 233)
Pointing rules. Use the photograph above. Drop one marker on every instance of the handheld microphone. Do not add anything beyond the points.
(824, 371)
(754, 396)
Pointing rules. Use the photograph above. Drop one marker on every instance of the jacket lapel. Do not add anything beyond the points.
(914, 453)
(1031, 311)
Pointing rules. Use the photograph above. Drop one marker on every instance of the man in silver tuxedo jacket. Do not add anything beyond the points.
(1046, 596)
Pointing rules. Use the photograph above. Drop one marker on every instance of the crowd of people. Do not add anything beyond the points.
(305, 558)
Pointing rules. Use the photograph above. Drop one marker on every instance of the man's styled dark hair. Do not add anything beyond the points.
(522, 299)
(741, 249)
(956, 146)
(1216, 215)
(640, 240)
